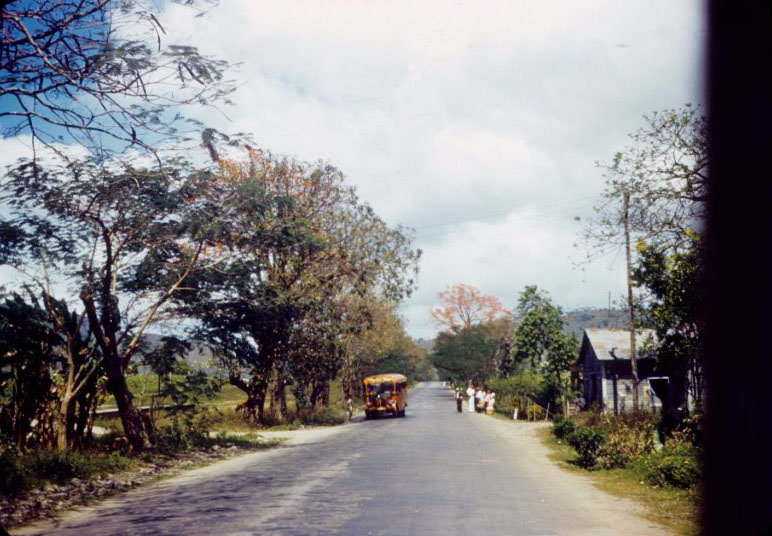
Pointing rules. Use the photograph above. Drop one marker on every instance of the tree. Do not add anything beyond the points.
(464, 306)
(27, 347)
(468, 353)
(53, 371)
(73, 70)
(539, 339)
(672, 304)
(660, 185)
(664, 176)
(298, 241)
(117, 235)
(375, 341)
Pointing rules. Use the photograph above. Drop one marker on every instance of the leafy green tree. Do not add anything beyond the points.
(125, 238)
(671, 304)
(27, 348)
(466, 354)
(540, 341)
(297, 242)
(53, 370)
(539, 337)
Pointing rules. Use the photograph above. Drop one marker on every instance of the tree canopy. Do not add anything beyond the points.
(124, 239)
(664, 174)
(97, 73)
(298, 245)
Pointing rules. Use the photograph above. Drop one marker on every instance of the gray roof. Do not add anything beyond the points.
(610, 344)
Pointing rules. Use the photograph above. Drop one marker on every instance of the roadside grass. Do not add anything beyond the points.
(676, 509)
(37, 468)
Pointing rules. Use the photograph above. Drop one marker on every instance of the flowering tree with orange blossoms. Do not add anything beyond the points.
(464, 306)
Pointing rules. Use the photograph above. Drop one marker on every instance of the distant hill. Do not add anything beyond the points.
(580, 319)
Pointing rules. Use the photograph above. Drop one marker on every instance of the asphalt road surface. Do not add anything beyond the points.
(433, 472)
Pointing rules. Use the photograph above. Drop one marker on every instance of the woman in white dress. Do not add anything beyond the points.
(470, 394)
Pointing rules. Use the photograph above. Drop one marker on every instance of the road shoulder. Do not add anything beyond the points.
(525, 441)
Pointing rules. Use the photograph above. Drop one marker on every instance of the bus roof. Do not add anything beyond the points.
(377, 378)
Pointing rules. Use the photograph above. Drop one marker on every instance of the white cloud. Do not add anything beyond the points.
(449, 111)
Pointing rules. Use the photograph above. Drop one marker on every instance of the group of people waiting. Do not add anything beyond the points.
(480, 400)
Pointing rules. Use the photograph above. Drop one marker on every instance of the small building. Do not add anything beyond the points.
(604, 361)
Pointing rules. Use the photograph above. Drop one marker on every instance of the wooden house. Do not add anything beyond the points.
(604, 362)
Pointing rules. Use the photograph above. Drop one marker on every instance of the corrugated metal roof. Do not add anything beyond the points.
(610, 344)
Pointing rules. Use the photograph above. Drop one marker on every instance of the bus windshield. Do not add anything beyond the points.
(385, 387)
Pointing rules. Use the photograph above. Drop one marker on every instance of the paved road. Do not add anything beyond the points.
(432, 472)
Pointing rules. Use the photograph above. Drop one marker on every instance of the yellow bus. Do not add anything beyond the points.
(385, 394)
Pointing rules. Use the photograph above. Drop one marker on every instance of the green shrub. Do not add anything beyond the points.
(186, 429)
(511, 390)
(62, 466)
(691, 429)
(57, 466)
(562, 428)
(677, 465)
(13, 477)
(588, 444)
(327, 416)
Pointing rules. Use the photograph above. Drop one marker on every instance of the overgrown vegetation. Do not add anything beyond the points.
(19, 472)
(630, 442)
(673, 507)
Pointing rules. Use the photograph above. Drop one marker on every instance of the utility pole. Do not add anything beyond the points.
(633, 362)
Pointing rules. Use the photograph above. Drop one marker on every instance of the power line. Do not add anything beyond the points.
(566, 207)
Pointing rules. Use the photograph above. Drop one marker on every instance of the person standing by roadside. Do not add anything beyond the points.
(459, 400)
(470, 394)
(491, 403)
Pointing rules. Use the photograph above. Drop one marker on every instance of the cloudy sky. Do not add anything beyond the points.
(478, 123)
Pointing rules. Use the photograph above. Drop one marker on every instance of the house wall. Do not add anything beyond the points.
(647, 400)
(593, 374)
(598, 377)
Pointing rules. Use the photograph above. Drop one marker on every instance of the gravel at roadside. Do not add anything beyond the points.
(46, 501)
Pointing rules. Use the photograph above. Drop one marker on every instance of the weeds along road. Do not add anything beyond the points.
(433, 472)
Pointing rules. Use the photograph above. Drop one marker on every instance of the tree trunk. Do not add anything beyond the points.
(86, 404)
(273, 391)
(316, 394)
(261, 405)
(136, 428)
(283, 402)
(64, 422)
(253, 407)
(326, 393)
(277, 393)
